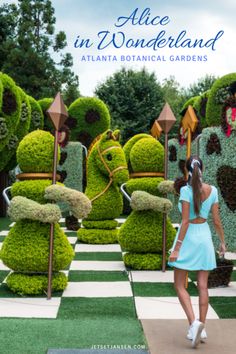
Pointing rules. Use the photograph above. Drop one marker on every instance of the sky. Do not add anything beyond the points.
(202, 19)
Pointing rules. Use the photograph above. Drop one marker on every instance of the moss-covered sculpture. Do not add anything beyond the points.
(219, 93)
(37, 118)
(10, 109)
(106, 170)
(88, 118)
(26, 248)
(141, 234)
(8, 154)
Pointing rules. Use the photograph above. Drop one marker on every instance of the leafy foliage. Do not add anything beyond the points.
(134, 98)
(27, 40)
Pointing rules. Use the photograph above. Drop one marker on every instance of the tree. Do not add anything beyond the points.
(135, 100)
(202, 85)
(29, 46)
(176, 97)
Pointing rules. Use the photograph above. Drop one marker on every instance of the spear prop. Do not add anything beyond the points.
(58, 115)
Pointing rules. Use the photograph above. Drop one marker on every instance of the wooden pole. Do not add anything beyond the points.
(165, 215)
(51, 241)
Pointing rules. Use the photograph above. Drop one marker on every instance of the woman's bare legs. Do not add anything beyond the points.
(202, 279)
(183, 295)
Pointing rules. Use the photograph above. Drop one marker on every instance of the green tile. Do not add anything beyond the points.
(98, 256)
(3, 274)
(75, 275)
(92, 308)
(225, 307)
(233, 276)
(160, 289)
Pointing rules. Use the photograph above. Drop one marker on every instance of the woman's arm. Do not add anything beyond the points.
(218, 226)
(183, 229)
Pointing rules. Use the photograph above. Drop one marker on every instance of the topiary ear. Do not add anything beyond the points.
(107, 135)
(116, 134)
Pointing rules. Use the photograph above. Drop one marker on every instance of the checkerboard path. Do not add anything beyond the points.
(97, 272)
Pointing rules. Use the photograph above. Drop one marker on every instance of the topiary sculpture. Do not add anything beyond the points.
(26, 248)
(7, 155)
(141, 234)
(88, 118)
(106, 169)
(37, 118)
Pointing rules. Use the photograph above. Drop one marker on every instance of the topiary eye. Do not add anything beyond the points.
(109, 157)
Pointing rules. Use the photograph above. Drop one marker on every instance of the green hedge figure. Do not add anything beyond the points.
(26, 248)
(219, 93)
(88, 118)
(106, 170)
(37, 118)
(10, 109)
(141, 234)
(8, 154)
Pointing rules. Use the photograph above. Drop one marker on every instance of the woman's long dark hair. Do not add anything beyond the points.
(194, 167)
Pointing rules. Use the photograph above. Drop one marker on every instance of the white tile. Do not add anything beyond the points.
(156, 276)
(230, 255)
(29, 307)
(0, 245)
(62, 220)
(166, 308)
(66, 272)
(98, 289)
(226, 291)
(64, 228)
(72, 239)
(97, 265)
(12, 224)
(4, 233)
(3, 267)
(81, 247)
(120, 220)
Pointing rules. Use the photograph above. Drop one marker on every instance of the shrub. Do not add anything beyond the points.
(147, 155)
(97, 236)
(31, 189)
(148, 261)
(131, 142)
(35, 152)
(101, 224)
(7, 155)
(91, 118)
(147, 184)
(142, 232)
(37, 119)
(45, 103)
(26, 248)
(10, 109)
(200, 105)
(218, 94)
(24, 284)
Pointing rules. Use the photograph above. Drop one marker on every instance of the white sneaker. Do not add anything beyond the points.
(203, 335)
(195, 331)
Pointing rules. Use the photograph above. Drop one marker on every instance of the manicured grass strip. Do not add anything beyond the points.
(159, 289)
(36, 336)
(75, 275)
(192, 275)
(98, 256)
(233, 276)
(6, 292)
(2, 238)
(4, 223)
(92, 308)
(225, 307)
(3, 274)
(234, 261)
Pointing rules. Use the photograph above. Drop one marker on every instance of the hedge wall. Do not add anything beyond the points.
(88, 118)
(71, 168)
(219, 159)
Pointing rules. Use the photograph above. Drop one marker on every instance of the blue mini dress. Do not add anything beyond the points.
(197, 250)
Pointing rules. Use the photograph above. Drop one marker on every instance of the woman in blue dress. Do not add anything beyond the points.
(193, 248)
